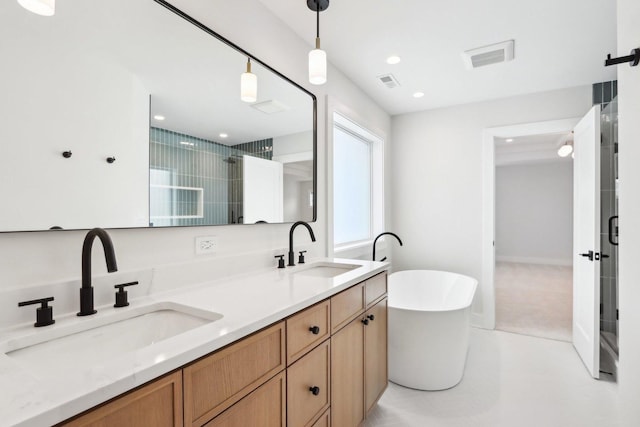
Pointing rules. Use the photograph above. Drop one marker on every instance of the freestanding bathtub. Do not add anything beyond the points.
(429, 316)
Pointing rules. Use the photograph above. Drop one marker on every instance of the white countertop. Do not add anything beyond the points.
(248, 302)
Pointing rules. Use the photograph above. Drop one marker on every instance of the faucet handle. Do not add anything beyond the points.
(121, 295)
(44, 314)
(280, 261)
(301, 257)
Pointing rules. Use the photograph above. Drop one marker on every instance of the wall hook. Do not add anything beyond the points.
(111, 159)
(633, 59)
(67, 154)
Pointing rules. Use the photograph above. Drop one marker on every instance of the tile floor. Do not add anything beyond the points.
(510, 380)
(534, 299)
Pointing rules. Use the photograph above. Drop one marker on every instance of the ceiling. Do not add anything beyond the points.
(558, 44)
(531, 149)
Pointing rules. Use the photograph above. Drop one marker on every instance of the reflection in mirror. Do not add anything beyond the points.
(95, 80)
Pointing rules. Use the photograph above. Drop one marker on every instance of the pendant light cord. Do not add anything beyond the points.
(317, 18)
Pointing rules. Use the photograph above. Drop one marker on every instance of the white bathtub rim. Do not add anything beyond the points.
(467, 304)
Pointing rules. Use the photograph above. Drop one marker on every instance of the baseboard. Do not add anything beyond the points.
(532, 260)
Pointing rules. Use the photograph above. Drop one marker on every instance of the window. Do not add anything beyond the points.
(357, 183)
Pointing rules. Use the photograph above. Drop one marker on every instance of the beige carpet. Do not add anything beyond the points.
(534, 300)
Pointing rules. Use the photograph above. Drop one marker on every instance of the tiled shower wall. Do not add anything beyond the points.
(605, 94)
(180, 160)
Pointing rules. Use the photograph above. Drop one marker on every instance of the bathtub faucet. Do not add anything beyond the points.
(373, 258)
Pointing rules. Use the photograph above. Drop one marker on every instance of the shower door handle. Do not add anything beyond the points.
(611, 220)
(588, 255)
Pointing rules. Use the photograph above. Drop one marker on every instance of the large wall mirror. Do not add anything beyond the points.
(121, 114)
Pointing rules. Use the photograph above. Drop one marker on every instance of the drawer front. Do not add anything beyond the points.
(375, 288)
(307, 329)
(216, 382)
(304, 406)
(157, 404)
(324, 420)
(264, 407)
(346, 305)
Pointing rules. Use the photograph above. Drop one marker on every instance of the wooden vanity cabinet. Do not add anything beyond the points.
(157, 404)
(359, 356)
(338, 346)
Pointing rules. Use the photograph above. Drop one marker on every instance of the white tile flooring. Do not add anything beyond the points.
(510, 380)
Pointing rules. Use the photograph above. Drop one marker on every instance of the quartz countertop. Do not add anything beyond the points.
(248, 302)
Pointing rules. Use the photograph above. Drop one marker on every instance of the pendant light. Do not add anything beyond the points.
(40, 7)
(248, 85)
(317, 57)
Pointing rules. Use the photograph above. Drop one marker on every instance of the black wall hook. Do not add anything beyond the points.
(111, 159)
(633, 59)
(67, 154)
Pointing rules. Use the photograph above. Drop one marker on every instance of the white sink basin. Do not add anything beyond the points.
(326, 269)
(96, 342)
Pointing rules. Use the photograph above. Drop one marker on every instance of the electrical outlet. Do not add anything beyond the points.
(206, 245)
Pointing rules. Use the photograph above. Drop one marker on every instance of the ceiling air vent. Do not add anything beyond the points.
(487, 55)
(270, 107)
(389, 81)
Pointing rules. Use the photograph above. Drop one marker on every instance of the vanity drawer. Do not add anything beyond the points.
(216, 382)
(264, 407)
(375, 288)
(301, 327)
(305, 406)
(346, 305)
(156, 404)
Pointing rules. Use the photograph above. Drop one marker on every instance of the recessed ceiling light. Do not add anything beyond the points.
(509, 140)
(223, 135)
(158, 117)
(418, 94)
(393, 59)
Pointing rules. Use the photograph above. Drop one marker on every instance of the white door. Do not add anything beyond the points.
(586, 240)
(262, 189)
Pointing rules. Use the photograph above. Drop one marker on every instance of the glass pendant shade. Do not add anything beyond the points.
(565, 150)
(40, 7)
(317, 67)
(248, 85)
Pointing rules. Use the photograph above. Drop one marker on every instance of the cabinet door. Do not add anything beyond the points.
(264, 407)
(157, 404)
(347, 375)
(375, 353)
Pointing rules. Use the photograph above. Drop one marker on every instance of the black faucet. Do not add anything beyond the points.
(380, 235)
(86, 291)
(293, 227)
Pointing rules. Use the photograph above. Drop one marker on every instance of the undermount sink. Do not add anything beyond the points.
(326, 269)
(93, 342)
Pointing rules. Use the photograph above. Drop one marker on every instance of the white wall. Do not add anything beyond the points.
(44, 257)
(534, 213)
(437, 168)
(629, 211)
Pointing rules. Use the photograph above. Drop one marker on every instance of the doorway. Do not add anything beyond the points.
(534, 235)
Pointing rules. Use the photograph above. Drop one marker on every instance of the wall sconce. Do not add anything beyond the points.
(248, 85)
(317, 57)
(40, 7)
